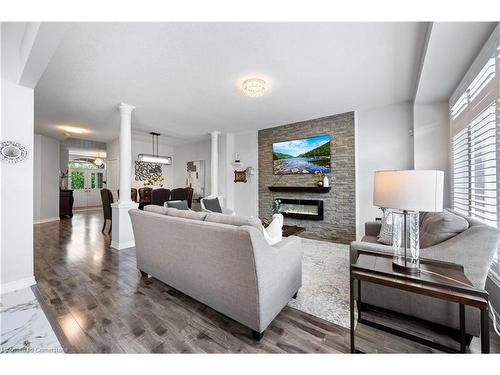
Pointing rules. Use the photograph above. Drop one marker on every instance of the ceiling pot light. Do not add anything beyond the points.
(254, 87)
(73, 129)
(154, 157)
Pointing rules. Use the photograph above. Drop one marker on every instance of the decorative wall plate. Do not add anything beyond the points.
(12, 152)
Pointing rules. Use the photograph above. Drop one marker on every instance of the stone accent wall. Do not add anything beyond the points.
(339, 224)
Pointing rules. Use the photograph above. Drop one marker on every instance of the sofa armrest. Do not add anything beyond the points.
(372, 228)
(474, 249)
(287, 243)
(358, 245)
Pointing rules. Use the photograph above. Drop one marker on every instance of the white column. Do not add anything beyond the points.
(125, 151)
(214, 164)
(122, 234)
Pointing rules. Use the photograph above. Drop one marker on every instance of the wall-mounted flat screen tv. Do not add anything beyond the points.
(302, 156)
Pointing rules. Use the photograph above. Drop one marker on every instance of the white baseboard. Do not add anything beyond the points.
(18, 284)
(42, 221)
(124, 245)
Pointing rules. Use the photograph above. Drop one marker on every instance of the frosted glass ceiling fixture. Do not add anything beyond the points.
(98, 161)
(154, 157)
(254, 87)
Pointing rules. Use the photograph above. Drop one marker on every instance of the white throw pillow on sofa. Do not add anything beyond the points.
(273, 233)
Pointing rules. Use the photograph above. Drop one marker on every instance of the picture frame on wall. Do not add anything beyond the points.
(240, 176)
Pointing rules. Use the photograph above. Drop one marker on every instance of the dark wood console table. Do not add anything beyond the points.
(66, 203)
(292, 230)
(445, 281)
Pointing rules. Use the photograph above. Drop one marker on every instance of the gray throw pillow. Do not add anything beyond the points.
(234, 220)
(186, 214)
(437, 227)
(180, 205)
(212, 204)
(385, 235)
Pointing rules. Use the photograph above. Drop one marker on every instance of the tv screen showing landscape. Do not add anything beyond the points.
(301, 156)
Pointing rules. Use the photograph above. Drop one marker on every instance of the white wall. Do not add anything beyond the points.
(138, 147)
(432, 140)
(246, 195)
(190, 152)
(145, 147)
(46, 179)
(382, 142)
(16, 232)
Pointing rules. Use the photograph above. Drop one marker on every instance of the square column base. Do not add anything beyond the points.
(122, 236)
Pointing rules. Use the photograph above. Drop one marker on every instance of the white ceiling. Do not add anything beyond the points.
(183, 77)
(449, 52)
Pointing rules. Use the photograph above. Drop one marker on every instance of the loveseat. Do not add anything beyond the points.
(473, 248)
(222, 261)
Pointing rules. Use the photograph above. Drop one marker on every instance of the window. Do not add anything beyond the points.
(475, 146)
(475, 138)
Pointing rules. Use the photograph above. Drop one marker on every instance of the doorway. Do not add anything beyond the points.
(86, 185)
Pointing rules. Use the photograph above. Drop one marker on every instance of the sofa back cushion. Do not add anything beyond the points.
(215, 217)
(437, 227)
(186, 214)
(156, 209)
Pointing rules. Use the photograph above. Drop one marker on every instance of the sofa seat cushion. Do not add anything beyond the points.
(239, 221)
(156, 209)
(437, 227)
(186, 214)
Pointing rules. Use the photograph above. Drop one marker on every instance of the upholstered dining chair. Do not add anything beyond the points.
(144, 197)
(182, 194)
(160, 196)
(107, 199)
(133, 194)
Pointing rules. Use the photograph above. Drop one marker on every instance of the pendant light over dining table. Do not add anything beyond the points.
(155, 157)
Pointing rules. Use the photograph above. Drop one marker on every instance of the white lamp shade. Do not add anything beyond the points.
(410, 190)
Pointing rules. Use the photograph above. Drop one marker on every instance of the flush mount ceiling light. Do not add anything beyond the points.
(253, 87)
(154, 157)
(72, 129)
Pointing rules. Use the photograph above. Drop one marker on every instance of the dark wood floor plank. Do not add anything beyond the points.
(101, 304)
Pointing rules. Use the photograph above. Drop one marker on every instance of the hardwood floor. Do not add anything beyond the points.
(97, 302)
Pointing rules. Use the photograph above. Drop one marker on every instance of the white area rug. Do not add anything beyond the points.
(325, 281)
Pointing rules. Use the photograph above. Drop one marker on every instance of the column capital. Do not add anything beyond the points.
(124, 107)
(213, 133)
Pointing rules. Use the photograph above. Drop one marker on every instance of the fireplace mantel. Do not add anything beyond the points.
(301, 189)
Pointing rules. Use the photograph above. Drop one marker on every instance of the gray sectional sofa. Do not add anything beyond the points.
(473, 248)
(222, 261)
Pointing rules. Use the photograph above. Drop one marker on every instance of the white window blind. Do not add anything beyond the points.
(475, 127)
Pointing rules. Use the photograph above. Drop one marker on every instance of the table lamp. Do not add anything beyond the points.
(408, 192)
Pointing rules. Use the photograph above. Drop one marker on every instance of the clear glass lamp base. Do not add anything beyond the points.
(409, 267)
(405, 241)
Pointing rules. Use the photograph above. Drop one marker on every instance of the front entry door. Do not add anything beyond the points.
(86, 185)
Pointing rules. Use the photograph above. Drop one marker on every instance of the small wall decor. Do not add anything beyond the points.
(145, 170)
(12, 152)
(240, 176)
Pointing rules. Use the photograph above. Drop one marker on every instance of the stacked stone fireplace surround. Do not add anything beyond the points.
(339, 207)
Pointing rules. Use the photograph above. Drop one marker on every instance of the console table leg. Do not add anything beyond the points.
(358, 301)
(463, 339)
(351, 310)
(485, 331)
